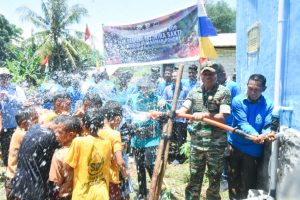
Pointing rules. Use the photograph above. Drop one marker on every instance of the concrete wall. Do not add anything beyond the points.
(227, 57)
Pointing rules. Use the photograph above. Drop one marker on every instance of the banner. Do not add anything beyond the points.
(171, 38)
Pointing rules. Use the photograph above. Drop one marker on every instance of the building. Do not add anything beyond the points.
(268, 44)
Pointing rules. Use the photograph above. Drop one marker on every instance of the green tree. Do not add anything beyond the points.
(8, 34)
(222, 16)
(55, 39)
(25, 66)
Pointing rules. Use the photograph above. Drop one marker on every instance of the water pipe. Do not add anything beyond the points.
(277, 93)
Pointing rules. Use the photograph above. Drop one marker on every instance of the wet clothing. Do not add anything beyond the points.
(47, 91)
(106, 89)
(114, 137)
(144, 159)
(8, 109)
(11, 105)
(58, 173)
(244, 155)
(14, 147)
(76, 95)
(146, 133)
(115, 191)
(36, 151)
(90, 158)
(207, 142)
(146, 137)
(5, 138)
(123, 96)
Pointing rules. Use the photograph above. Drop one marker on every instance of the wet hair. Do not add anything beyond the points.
(125, 76)
(98, 76)
(93, 119)
(73, 124)
(61, 95)
(193, 67)
(258, 77)
(94, 98)
(25, 114)
(112, 109)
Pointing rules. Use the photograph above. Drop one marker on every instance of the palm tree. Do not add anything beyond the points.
(55, 39)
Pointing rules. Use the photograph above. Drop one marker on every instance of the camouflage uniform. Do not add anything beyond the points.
(207, 142)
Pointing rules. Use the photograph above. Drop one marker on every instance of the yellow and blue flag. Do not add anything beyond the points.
(205, 29)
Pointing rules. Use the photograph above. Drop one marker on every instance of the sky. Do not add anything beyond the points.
(106, 12)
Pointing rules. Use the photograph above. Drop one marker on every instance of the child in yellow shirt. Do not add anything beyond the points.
(113, 116)
(90, 158)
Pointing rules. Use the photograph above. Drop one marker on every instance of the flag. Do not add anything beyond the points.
(87, 33)
(97, 65)
(203, 60)
(205, 29)
(45, 60)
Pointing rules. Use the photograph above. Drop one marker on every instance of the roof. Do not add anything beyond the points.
(224, 40)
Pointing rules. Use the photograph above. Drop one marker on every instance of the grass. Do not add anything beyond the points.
(175, 179)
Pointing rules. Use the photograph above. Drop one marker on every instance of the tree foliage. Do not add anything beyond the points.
(54, 38)
(25, 66)
(222, 16)
(8, 34)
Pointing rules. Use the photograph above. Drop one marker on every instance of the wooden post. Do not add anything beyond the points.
(163, 150)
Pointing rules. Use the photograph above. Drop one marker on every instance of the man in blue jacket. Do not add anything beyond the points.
(146, 135)
(252, 113)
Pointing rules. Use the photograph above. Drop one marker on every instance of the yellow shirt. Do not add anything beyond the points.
(15, 143)
(90, 158)
(116, 143)
(46, 116)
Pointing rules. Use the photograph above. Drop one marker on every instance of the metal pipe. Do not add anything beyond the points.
(277, 93)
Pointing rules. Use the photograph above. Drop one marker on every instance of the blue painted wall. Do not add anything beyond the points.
(263, 61)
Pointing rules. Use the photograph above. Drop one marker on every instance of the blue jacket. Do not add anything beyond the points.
(10, 106)
(149, 130)
(76, 95)
(234, 91)
(253, 119)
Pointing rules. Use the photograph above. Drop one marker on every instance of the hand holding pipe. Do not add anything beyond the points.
(256, 139)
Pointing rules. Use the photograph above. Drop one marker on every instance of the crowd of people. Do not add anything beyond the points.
(71, 138)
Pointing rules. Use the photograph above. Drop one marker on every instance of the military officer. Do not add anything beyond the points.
(210, 100)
